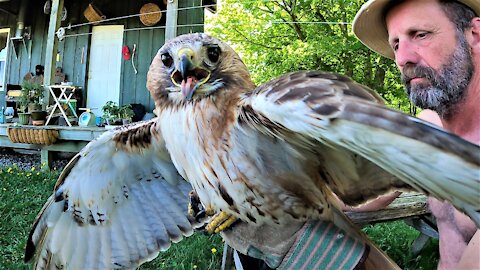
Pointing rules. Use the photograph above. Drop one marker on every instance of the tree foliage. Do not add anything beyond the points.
(274, 37)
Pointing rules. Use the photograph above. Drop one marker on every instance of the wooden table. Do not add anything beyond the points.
(65, 94)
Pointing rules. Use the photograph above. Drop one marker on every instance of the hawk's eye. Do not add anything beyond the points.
(167, 59)
(213, 53)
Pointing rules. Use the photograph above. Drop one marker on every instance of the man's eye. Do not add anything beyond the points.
(394, 47)
(421, 35)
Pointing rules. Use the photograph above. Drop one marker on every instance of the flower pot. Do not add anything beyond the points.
(23, 118)
(34, 107)
(38, 115)
(126, 121)
(113, 122)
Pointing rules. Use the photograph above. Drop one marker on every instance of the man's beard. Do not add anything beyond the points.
(445, 88)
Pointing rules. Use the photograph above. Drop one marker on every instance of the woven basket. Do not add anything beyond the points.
(93, 14)
(32, 136)
(152, 18)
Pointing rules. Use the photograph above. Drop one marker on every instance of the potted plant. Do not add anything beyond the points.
(23, 115)
(111, 113)
(30, 101)
(32, 95)
(126, 113)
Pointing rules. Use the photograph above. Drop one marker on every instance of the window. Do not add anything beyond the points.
(3, 56)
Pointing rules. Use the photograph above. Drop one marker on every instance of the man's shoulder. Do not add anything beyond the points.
(430, 116)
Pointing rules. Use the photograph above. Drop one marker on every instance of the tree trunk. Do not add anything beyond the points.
(379, 80)
(368, 69)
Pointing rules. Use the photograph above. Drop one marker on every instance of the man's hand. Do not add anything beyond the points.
(471, 256)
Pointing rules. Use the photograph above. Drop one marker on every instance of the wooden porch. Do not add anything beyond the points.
(75, 53)
(70, 139)
(74, 56)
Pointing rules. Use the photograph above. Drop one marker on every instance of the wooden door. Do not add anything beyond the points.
(104, 66)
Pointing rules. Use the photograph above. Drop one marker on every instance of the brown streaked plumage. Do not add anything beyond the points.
(267, 154)
(134, 137)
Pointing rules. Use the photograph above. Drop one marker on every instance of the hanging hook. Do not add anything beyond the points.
(133, 57)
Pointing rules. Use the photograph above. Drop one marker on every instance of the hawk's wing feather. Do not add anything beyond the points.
(355, 130)
(112, 206)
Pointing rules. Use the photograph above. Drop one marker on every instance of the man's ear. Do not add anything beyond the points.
(473, 36)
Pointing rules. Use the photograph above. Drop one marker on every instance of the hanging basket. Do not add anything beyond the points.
(150, 14)
(32, 135)
(93, 14)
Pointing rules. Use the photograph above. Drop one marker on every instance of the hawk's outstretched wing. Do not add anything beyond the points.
(117, 204)
(364, 147)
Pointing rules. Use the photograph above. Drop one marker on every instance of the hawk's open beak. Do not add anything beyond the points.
(185, 65)
(188, 76)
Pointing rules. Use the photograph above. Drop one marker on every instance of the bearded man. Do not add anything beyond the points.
(436, 46)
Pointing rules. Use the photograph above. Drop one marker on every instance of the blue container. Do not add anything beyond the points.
(2, 116)
(98, 121)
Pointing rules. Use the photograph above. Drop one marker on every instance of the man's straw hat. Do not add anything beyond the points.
(369, 25)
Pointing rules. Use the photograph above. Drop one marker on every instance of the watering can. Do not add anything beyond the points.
(87, 118)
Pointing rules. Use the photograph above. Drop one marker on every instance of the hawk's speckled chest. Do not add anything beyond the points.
(240, 171)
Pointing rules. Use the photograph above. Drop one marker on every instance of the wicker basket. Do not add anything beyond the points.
(147, 17)
(93, 14)
(32, 135)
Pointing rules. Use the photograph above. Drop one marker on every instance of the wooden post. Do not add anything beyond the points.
(227, 258)
(46, 158)
(51, 46)
(171, 21)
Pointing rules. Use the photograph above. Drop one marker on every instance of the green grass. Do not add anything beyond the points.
(198, 251)
(22, 194)
(396, 238)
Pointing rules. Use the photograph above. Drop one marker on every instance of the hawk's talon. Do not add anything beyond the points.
(220, 222)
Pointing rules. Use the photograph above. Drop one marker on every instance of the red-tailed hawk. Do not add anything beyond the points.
(267, 154)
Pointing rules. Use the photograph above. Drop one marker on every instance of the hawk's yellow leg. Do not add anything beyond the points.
(220, 222)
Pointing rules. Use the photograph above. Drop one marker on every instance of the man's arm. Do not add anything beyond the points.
(471, 256)
(374, 205)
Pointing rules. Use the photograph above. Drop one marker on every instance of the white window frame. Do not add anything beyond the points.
(5, 30)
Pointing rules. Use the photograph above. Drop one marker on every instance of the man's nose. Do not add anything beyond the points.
(406, 54)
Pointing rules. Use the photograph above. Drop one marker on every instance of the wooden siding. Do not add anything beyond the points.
(133, 86)
(148, 41)
(69, 50)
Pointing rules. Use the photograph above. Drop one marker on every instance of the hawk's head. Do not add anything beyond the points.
(195, 66)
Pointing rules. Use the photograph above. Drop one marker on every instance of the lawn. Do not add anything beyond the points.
(22, 194)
